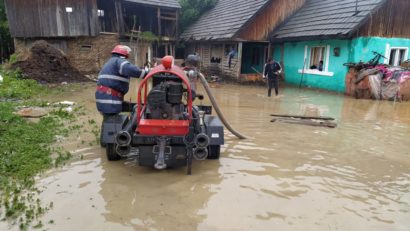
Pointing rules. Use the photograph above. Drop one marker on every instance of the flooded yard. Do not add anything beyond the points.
(284, 177)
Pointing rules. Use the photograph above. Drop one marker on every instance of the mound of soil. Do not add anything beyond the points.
(47, 64)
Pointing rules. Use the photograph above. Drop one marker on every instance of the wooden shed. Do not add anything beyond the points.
(232, 38)
(87, 30)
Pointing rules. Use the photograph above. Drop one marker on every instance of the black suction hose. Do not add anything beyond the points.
(217, 109)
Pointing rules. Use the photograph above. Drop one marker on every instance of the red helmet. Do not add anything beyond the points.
(121, 50)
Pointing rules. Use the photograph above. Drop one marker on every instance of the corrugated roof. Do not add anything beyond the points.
(327, 18)
(224, 20)
(163, 3)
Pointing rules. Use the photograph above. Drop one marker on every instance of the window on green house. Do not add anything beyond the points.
(316, 60)
(317, 56)
(398, 55)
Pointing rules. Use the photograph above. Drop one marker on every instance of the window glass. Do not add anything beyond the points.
(402, 56)
(392, 57)
(317, 58)
(100, 13)
(397, 56)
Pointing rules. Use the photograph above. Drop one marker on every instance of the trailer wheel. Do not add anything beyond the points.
(103, 145)
(214, 152)
(111, 153)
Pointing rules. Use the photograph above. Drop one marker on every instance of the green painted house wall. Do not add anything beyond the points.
(294, 61)
(355, 50)
(363, 47)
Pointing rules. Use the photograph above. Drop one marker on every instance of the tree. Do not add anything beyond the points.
(192, 10)
(6, 42)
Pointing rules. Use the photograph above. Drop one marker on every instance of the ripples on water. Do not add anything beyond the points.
(285, 177)
(292, 176)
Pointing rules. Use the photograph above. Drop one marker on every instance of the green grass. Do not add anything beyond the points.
(26, 150)
(14, 87)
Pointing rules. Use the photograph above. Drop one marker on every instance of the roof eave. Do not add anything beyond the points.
(153, 5)
(310, 38)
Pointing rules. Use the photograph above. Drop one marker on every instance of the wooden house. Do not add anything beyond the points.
(87, 30)
(337, 32)
(232, 38)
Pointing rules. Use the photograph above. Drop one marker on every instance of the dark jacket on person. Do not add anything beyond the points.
(115, 75)
(271, 69)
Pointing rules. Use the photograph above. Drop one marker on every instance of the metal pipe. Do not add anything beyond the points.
(123, 151)
(124, 137)
(202, 140)
(217, 109)
(200, 153)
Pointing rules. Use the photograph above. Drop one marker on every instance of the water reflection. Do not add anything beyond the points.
(285, 177)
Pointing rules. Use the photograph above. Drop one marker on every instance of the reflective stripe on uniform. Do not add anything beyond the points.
(108, 101)
(142, 74)
(122, 79)
(122, 65)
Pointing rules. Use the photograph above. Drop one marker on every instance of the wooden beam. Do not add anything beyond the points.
(304, 117)
(168, 18)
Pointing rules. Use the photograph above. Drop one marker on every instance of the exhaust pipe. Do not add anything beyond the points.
(123, 151)
(202, 140)
(200, 153)
(123, 138)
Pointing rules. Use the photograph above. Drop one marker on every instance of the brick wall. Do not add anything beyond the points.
(88, 54)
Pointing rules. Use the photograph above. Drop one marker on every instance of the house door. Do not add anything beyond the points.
(253, 57)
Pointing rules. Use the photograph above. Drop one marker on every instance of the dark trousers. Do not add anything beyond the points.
(273, 82)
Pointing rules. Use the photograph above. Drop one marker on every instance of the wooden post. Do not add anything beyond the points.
(176, 24)
(240, 46)
(159, 21)
(119, 16)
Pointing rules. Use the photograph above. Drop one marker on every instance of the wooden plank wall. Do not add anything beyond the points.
(267, 20)
(48, 18)
(391, 20)
(221, 69)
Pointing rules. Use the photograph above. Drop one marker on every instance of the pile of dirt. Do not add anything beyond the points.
(47, 64)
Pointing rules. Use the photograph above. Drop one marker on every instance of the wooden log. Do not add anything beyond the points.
(307, 122)
(304, 117)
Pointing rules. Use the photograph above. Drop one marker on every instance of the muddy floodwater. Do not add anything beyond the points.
(284, 177)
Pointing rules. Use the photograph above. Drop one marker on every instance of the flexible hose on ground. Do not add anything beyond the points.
(217, 109)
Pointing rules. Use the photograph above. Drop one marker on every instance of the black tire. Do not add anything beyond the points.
(214, 151)
(103, 145)
(111, 153)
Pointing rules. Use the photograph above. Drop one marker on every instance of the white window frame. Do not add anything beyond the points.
(69, 9)
(396, 58)
(100, 13)
(307, 70)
